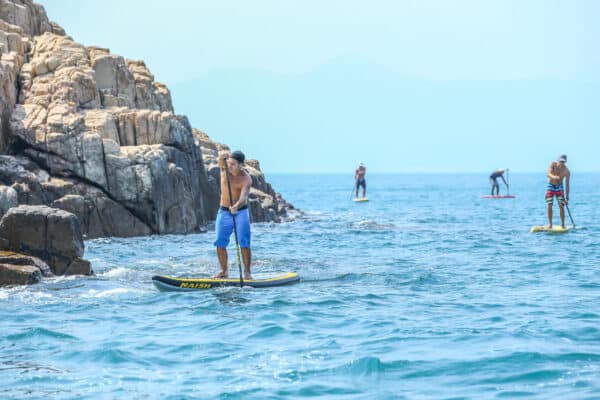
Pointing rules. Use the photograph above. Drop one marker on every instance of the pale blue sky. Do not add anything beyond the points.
(316, 86)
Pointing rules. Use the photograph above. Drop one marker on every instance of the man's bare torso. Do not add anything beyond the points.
(558, 170)
(237, 184)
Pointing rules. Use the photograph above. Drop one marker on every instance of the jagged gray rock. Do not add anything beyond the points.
(20, 20)
(8, 199)
(99, 215)
(21, 269)
(27, 15)
(11, 274)
(50, 234)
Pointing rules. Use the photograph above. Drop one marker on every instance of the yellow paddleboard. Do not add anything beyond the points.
(361, 200)
(554, 229)
(169, 283)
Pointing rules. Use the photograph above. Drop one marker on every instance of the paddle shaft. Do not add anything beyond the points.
(507, 184)
(237, 243)
(569, 211)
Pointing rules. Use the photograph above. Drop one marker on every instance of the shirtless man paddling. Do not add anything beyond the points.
(240, 188)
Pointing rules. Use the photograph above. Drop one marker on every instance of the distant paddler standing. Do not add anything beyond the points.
(233, 214)
(499, 173)
(557, 173)
(359, 179)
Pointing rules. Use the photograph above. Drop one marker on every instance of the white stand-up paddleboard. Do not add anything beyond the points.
(361, 200)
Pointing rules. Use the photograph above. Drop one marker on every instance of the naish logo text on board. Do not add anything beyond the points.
(194, 285)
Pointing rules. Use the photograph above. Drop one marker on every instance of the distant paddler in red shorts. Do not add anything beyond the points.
(557, 173)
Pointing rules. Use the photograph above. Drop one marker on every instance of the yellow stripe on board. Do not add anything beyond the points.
(232, 280)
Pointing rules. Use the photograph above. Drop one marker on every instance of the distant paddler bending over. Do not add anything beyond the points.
(499, 173)
(233, 211)
(557, 173)
(359, 179)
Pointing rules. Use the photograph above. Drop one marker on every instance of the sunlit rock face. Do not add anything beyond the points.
(93, 133)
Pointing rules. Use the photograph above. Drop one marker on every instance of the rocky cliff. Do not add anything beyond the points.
(93, 133)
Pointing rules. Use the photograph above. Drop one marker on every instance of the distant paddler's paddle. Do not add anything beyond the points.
(237, 244)
(569, 211)
(507, 183)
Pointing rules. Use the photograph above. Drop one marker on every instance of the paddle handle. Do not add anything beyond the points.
(237, 243)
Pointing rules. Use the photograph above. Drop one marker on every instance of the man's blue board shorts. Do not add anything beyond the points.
(224, 227)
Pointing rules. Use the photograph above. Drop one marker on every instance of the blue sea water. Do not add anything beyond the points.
(425, 292)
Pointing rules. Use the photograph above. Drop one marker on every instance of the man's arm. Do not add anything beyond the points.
(567, 185)
(550, 174)
(245, 192)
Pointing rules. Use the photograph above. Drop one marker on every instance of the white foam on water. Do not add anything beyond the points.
(315, 213)
(119, 272)
(27, 295)
(151, 262)
(108, 293)
(62, 278)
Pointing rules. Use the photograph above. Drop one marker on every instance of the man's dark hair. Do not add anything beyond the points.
(238, 156)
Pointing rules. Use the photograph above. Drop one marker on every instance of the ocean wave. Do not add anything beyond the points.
(361, 367)
(267, 332)
(372, 225)
(329, 391)
(531, 364)
(107, 355)
(537, 375)
(38, 333)
(364, 366)
(345, 277)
